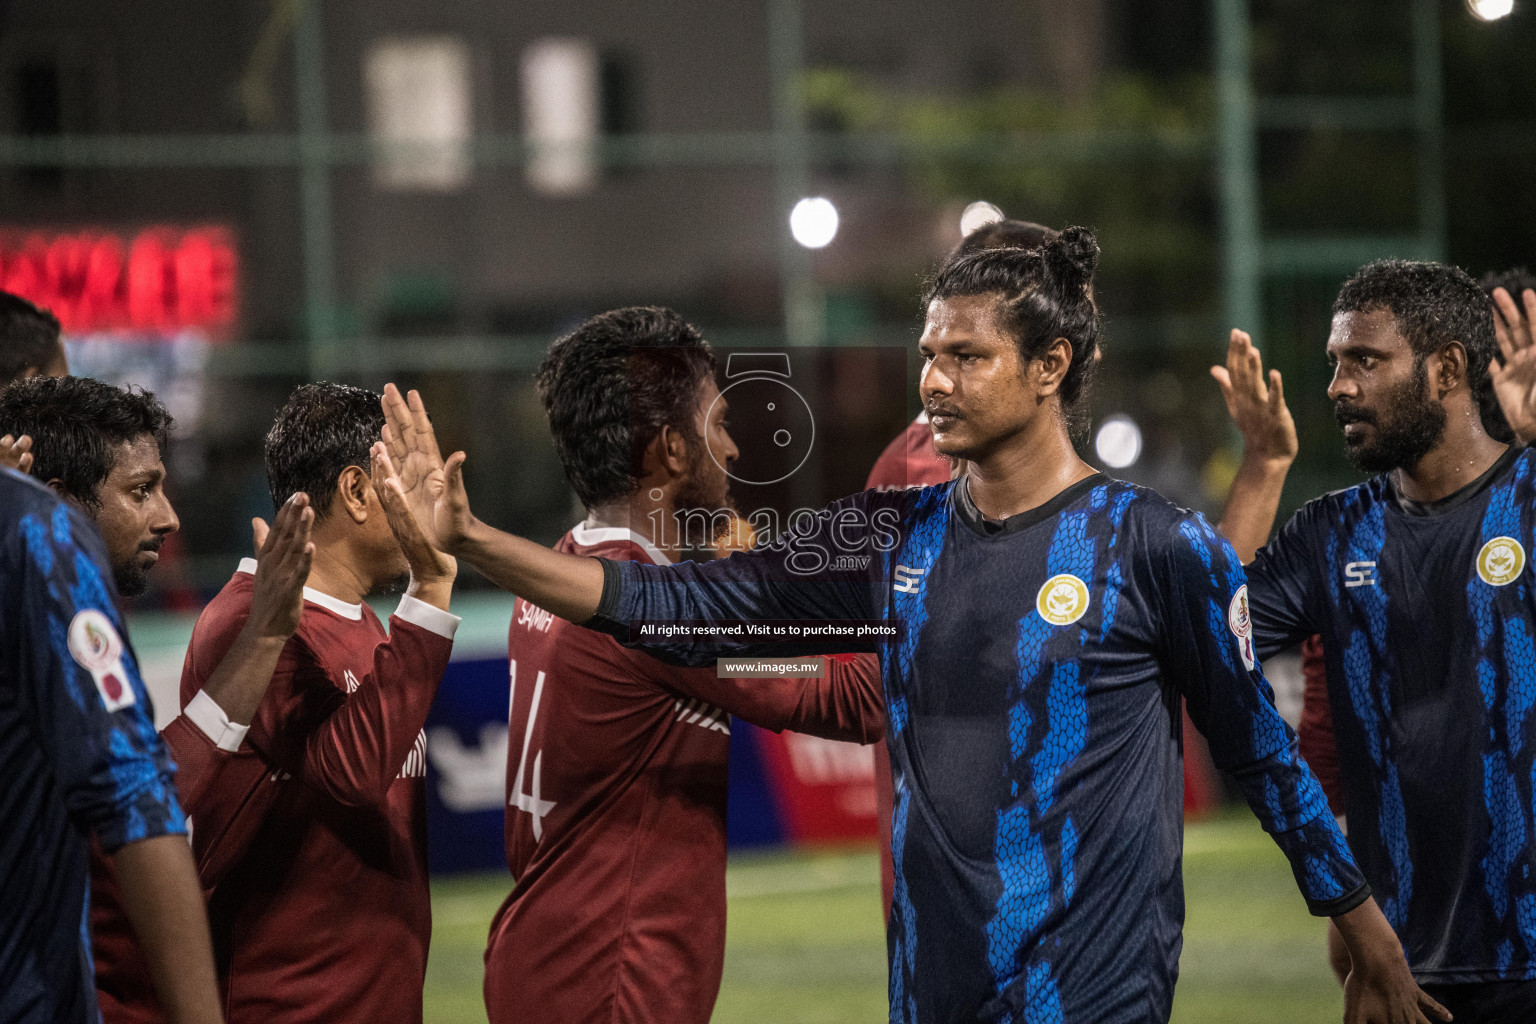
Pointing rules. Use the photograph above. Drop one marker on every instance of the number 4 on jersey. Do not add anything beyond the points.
(529, 802)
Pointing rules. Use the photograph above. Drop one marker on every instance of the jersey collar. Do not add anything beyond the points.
(334, 605)
(588, 535)
(971, 516)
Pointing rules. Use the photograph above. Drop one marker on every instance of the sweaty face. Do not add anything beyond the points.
(974, 383)
(134, 515)
(1380, 393)
(706, 486)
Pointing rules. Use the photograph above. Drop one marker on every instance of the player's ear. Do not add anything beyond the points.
(1452, 368)
(354, 492)
(58, 488)
(1050, 367)
(672, 451)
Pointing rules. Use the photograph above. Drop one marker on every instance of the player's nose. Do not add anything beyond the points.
(934, 381)
(165, 520)
(1341, 386)
(727, 450)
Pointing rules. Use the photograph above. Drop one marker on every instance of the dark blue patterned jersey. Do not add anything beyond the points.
(1033, 693)
(1428, 619)
(78, 750)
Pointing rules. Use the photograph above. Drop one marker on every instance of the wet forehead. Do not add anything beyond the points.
(1375, 329)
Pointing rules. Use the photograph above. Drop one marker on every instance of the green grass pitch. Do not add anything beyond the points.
(806, 944)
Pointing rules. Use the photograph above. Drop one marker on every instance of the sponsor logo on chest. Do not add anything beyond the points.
(1062, 600)
(1360, 574)
(1501, 561)
(907, 580)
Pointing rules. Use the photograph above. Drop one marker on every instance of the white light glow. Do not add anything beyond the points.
(813, 222)
(1118, 442)
(1491, 10)
(978, 215)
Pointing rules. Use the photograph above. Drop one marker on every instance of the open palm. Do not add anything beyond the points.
(432, 488)
(1514, 373)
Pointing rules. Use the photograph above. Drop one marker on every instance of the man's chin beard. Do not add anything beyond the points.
(1416, 429)
(1402, 445)
(131, 580)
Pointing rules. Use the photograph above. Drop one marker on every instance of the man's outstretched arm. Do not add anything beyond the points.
(1256, 404)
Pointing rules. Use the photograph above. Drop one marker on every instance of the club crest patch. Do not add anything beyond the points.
(96, 647)
(1500, 561)
(1062, 600)
(1241, 623)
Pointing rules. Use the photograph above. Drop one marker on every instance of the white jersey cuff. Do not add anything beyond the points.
(204, 712)
(433, 619)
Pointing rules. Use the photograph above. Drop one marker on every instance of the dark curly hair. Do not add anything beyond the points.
(76, 425)
(1433, 303)
(609, 387)
(321, 430)
(1042, 295)
(29, 337)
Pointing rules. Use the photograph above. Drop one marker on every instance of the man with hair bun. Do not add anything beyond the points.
(1050, 621)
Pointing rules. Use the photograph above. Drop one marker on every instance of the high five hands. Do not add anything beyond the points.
(413, 468)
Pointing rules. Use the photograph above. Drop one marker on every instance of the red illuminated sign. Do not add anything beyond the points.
(155, 280)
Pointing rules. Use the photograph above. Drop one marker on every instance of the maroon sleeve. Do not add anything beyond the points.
(198, 761)
(845, 705)
(351, 746)
(1316, 731)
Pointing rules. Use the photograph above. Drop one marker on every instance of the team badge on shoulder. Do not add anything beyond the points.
(1241, 623)
(96, 647)
(1062, 600)
(1500, 561)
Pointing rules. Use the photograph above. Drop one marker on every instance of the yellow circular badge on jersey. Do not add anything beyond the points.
(1063, 600)
(1501, 560)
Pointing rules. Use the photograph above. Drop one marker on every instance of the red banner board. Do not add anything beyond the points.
(825, 790)
(159, 279)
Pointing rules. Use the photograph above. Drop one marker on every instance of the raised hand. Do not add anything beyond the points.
(432, 488)
(283, 557)
(1255, 403)
(430, 567)
(16, 453)
(1514, 373)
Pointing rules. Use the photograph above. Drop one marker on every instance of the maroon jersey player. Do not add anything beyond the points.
(617, 763)
(318, 901)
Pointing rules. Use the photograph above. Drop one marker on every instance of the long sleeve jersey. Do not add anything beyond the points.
(77, 745)
(1032, 690)
(313, 847)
